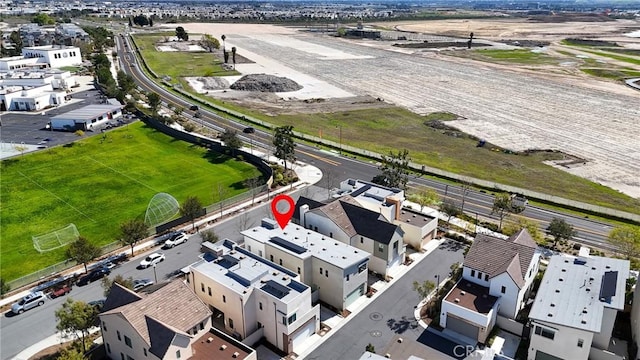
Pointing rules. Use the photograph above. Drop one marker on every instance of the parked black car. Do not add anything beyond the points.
(94, 275)
(249, 130)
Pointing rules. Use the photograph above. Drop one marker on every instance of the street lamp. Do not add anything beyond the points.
(340, 127)
(437, 283)
(155, 275)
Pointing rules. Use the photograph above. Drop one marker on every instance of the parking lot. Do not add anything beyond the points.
(25, 131)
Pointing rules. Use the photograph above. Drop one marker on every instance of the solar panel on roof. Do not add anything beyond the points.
(288, 245)
(275, 289)
(227, 261)
(609, 284)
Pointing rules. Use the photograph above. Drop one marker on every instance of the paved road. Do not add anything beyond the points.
(391, 314)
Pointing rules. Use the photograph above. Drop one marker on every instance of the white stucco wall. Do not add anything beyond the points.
(564, 344)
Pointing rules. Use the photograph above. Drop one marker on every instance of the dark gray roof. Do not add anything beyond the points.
(494, 256)
(304, 201)
(119, 296)
(356, 220)
(160, 336)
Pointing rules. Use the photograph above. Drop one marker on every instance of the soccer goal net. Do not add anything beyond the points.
(56, 239)
(162, 208)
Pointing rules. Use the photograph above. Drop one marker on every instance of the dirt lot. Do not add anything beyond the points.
(514, 107)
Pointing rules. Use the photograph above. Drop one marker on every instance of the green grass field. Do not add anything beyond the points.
(97, 186)
(519, 56)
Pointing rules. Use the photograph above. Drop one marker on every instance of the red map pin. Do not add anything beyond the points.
(282, 218)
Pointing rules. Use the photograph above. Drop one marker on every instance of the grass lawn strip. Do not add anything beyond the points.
(97, 186)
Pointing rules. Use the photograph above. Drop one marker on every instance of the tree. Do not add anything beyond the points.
(130, 22)
(330, 177)
(231, 140)
(191, 208)
(83, 251)
(223, 37)
(532, 227)
(151, 21)
(425, 198)
(253, 184)
(43, 19)
(395, 169)
(16, 39)
(423, 289)
(141, 20)
(133, 231)
(181, 33)
(627, 239)
(4, 287)
(449, 208)
(209, 42)
(70, 353)
(154, 102)
(74, 317)
(560, 230)
(107, 283)
(284, 145)
(465, 187)
(233, 56)
(125, 82)
(370, 348)
(219, 195)
(210, 236)
(178, 110)
(502, 207)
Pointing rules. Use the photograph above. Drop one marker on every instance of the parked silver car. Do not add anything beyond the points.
(28, 302)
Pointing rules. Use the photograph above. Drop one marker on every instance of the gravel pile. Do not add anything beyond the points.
(265, 83)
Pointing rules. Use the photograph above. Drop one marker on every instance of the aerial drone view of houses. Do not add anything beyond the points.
(234, 188)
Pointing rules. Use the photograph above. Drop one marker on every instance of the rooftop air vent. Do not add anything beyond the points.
(456, 300)
(550, 315)
(462, 293)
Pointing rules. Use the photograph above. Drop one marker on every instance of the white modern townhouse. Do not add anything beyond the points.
(575, 309)
(335, 271)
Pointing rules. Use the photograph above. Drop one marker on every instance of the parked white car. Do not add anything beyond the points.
(151, 260)
(28, 302)
(139, 284)
(176, 239)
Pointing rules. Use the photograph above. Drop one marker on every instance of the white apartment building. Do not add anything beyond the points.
(145, 326)
(337, 271)
(34, 90)
(346, 221)
(253, 298)
(576, 307)
(20, 62)
(56, 56)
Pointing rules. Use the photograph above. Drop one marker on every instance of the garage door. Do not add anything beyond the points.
(462, 327)
(303, 334)
(355, 294)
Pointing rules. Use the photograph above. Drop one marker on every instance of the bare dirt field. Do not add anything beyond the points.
(510, 106)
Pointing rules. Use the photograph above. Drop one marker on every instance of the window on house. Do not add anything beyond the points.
(361, 240)
(503, 290)
(291, 319)
(331, 234)
(544, 332)
(202, 325)
(479, 275)
(298, 269)
(326, 273)
(580, 343)
(104, 326)
(347, 277)
(260, 305)
(121, 356)
(118, 333)
(395, 245)
(209, 288)
(202, 286)
(231, 323)
(486, 277)
(271, 258)
(315, 228)
(259, 324)
(178, 354)
(145, 351)
(108, 348)
(249, 247)
(380, 247)
(280, 261)
(224, 299)
(127, 341)
(260, 253)
(320, 271)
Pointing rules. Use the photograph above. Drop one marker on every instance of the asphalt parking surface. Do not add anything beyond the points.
(29, 127)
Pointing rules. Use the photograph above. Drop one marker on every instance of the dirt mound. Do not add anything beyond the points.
(265, 83)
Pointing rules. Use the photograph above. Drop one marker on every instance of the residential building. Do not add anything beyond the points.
(145, 326)
(418, 228)
(337, 271)
(497, 275)
(253, 298)
(57, 56)
(635, 319)
(575, 308)
(348, 222)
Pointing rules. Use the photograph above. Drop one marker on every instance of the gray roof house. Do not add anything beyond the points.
(497, 275)
(346, 221)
